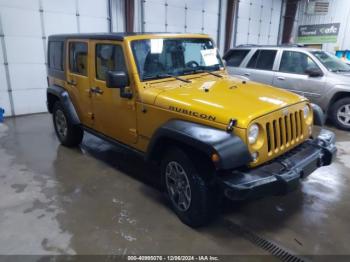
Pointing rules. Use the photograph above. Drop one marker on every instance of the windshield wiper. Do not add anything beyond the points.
(212, 73)
(174, 76)
(195, 71)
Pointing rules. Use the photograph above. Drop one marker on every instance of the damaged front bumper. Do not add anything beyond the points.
(283, 173)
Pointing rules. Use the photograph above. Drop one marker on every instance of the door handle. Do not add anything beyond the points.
(281, 78)
(246, 74)
(71, 82)
(96, 90)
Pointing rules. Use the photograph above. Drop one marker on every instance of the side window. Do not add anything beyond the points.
(56, 55)
(262, 59)
(235, 57)
(296, 62)
(78, 58)
(253, 60)
(109, 58)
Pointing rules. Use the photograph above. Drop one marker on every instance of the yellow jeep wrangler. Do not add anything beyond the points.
(168, 97)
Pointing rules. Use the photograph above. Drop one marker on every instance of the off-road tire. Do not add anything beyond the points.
(333, 114)
(74, 133)
(204, 202)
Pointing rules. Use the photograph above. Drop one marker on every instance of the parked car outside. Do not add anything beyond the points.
(318, 75)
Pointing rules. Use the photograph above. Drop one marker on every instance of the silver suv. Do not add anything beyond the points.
(318, 75)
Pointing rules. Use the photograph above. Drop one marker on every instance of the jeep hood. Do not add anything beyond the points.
(220, 100)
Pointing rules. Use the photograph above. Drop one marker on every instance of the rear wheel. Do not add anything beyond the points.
(192, 198)
(340, 114)
(69, 135)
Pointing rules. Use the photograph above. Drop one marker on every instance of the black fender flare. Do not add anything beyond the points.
(232, 151)
(66, 102)
(319, 117)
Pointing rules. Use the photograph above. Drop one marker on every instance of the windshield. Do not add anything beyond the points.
(158, 58)
(331, 62)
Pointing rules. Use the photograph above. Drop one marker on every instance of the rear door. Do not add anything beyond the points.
(260, 66)
(78, 83)
(114, 116)
(291, 75)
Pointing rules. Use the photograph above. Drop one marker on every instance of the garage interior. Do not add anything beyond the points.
(100, 199)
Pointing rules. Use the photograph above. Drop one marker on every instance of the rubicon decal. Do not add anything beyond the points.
(192, 113)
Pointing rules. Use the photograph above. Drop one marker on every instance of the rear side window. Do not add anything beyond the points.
(235, 57)
(109, 58)
(78, 57)
(262, 59)
(56, 55)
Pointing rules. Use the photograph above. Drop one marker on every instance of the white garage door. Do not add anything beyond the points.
(24, 26)
(191, 16)
(258, 22)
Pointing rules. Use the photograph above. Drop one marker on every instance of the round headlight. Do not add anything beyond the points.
(253, 133)
(306, 111)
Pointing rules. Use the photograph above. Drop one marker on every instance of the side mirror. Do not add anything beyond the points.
(313, 72)
(118, 79)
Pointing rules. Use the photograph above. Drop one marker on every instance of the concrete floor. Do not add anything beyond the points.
(99, 199)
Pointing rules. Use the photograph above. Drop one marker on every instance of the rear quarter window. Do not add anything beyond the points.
(235, 57)
(56, 55)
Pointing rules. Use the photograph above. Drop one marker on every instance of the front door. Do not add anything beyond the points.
(114, 116)
(78, 82)
(291, 75)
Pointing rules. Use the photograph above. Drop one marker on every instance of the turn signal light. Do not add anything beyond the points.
(215, 158)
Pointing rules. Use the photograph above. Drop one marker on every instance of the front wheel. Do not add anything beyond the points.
(69, 135)
(340, 114)
(191, 197)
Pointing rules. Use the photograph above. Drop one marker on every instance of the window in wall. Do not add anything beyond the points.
(235, 57)
(296, 62)
(262, 59)
(56, 55)
(109, 58)
(78, 58)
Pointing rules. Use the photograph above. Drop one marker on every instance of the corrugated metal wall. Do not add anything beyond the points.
(338, 12)
(117, 15)
(258, 22)
(24, 27)
(191, 16)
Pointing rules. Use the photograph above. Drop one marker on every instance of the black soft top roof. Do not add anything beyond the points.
(101, 36)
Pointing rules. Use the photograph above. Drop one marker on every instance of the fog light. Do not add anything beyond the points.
(255, 156)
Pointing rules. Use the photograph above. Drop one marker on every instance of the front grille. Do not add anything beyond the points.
(284, 131)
